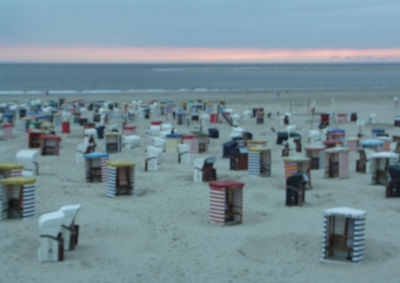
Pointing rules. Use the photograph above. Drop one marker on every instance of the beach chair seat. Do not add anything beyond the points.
(336, 242)
(122, 179)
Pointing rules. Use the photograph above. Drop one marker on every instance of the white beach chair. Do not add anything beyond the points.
(90, 132)
(292, 146)
(236, 132)
(131, 141)
(197, 169)
(291, 128)
(183, 153)
(314, 137)
(235, 119)
(51, 244)
(159, 142)
(80, 151)
(154, 130)
(70, 231)
(166, 129)
(372, 118)
(247, 115)
(153, 159)
(28, 158)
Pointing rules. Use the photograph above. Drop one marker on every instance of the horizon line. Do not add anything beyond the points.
(170, 55)
(196, 62)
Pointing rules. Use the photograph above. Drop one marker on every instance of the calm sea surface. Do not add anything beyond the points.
(159, 78)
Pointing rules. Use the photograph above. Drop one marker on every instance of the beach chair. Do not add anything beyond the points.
(183, 154)
(50, 145)
(343, 235)
(295, 189)
(96, 166)
(314, 153)
(213, 133)
(203, 170)
(260, 115)
(172, 142)
(81, 149)
(226, 202)
(259, 161)
(153, 159)
(131, 141)
(120, 178)
(112, 142)
(393, 185)
(336, 162)
(70, 231)
(8, 170)
(379, 163)
(298, 164)
(51, 242)
(239, 159)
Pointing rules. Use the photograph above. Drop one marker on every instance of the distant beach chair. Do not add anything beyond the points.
(393, 185)
(203, 170)
(153, 159)
(183, 154)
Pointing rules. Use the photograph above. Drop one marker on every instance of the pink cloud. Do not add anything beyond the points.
(124, 54)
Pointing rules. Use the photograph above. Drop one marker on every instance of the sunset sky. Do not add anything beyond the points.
(199, 31)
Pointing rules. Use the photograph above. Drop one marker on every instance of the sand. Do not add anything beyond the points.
(161, 233)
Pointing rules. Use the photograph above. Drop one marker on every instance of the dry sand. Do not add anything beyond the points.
(161, 233)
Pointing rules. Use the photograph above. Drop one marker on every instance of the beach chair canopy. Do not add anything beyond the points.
(174, 136)
(25, 157)
(228, 184)
(296, 180)
(345, 211)
(385, 154)
(336, 131)
(371, 142)
(120, 163)
(230, 148)
(70, 212)
(10, 166)
(50, 223)
(96, 155)
(210, 159)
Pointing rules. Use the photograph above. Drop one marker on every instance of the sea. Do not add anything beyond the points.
(86, 79)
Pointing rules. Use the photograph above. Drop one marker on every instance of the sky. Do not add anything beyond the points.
(199, 31)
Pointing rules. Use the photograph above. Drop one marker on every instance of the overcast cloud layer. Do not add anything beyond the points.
(205, 23)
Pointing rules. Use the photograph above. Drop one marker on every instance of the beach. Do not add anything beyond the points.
(161, 233)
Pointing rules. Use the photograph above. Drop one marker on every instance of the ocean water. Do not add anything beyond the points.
(159, 78)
